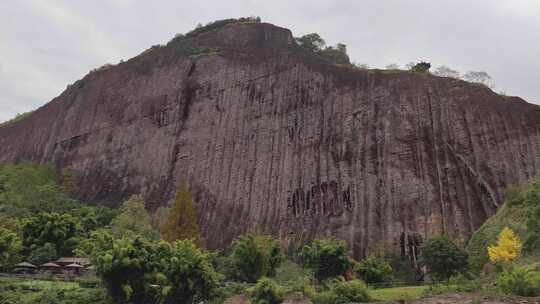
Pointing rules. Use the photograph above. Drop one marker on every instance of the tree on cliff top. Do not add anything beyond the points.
(312, 42)
(421, 67)
(181, 223)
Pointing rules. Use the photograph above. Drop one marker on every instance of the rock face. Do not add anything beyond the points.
(272, 138)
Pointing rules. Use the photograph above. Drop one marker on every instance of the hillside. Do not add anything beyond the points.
(274, 138)
(521, 213)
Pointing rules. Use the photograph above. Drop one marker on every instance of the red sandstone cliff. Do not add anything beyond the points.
(273, 138)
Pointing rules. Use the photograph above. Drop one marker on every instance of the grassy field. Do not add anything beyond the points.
(26, 291)
(398, 293)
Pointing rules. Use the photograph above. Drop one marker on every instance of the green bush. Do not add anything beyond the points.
(10, 247)
(139, 270)
(443, 258)
(89, 282)
(458, 283)
(327, 258)
(221, 23)
(519, 281)
(294, 278)
(255, 256)
(324, 297)
(421, 67)
(266, 291)
(342, 292)
(374, 270)
(43, 254)
(228, 290)
(335, 55)
(352, 291)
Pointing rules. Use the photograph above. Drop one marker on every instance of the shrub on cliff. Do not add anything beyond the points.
(443, 258)
(255, 256)
(221, 23)
(421, 67)
(327, 258)
(335, 54)
(315, 43)
(312, 42)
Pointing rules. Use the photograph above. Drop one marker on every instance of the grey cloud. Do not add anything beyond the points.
(46, 44)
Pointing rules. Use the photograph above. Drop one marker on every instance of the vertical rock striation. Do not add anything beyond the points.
(276, 139)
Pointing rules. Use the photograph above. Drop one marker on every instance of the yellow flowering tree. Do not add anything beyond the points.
(507, 249)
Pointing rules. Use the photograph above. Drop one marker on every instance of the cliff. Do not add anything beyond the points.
(273, 138)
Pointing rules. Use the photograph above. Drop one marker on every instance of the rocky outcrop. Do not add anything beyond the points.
(276, 139)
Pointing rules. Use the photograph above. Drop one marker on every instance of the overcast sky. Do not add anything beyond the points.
(47, 44)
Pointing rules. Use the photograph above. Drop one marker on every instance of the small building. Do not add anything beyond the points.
(51, 268)
(64, 261)
(25, 268)
(75, 269)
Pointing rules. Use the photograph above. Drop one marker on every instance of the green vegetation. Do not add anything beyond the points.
(28, 189)
(519, 281)
(10, 247)
(266, 291)
(24, 291)
(420, 67)
(133, 220)
(39, 222)
(443, 258)
(399, 293)
(520, 213)
(374, 270)
(17, 118)
(56, 232)
(255, 256)
(498, 243)
(221, 23)
(140, 270)
(134, 265)
(338, 291)
(315, 44)
(328, 258)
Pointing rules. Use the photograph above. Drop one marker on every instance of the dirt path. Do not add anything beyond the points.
(456, 298)
(467, 298)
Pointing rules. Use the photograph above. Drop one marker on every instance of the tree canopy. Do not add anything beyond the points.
(327, 258)
(60, 230)
(443, 257)
(133, 220)
(314, 43)
(140, 271)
